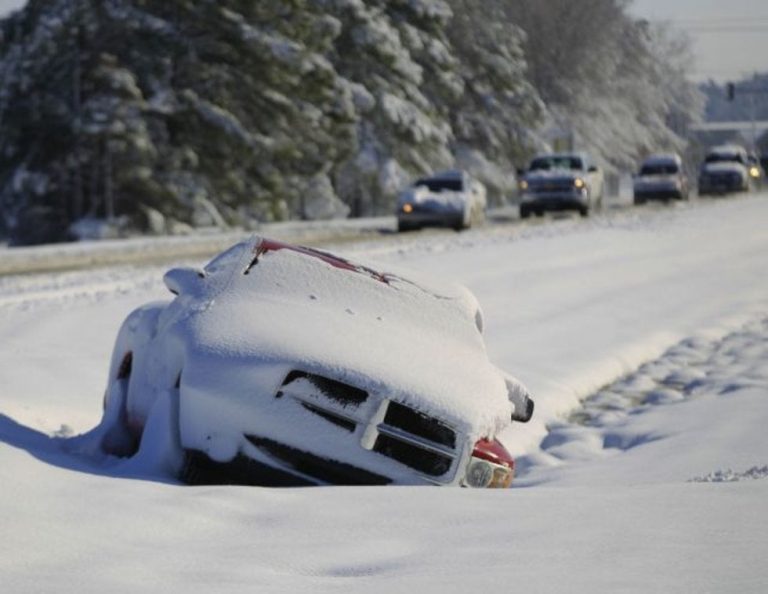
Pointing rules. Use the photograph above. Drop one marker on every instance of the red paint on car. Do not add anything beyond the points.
(493, 451)
(270, 245)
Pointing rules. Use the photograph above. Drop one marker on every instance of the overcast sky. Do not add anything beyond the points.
(730, 36)
(8, 5)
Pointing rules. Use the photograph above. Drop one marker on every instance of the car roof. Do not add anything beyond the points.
(662, 158)
(726, 148)
(563, 155)
(448, 174)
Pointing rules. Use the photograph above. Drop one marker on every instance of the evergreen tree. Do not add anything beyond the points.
(200, 110)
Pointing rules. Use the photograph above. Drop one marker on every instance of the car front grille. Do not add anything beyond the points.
(723, 178)
(322, 469)
(552, 186)
(384, 426)
(343, 394)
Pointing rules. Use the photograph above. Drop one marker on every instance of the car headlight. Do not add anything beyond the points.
(490, 466)
(523, 184)
(479, 473)
(578, 183)
(407, 207)
(482, 474)
(754, 172)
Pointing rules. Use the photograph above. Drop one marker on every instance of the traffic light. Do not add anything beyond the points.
(730, 91)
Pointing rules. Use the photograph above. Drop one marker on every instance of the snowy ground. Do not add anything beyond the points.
(643, 336)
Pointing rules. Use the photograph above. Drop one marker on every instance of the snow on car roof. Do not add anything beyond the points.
(726, 149)
(662, 158)
(449, 174)
(417, 341)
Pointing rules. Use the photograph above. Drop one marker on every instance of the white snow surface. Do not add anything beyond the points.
(641, 334)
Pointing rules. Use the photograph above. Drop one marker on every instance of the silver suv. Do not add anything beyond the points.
(661, 177)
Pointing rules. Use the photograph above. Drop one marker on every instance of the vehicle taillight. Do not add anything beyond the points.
(491, 466)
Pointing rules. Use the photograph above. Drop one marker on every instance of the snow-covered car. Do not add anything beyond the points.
(448, 199)
(725, 170)
(284, 365)
(661, 177)
(561, 181)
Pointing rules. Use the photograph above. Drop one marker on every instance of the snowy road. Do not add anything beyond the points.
(657, 317)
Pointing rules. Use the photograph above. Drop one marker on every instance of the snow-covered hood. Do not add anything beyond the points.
(422, 196)
(724, 167)
(416, 342)
(553, 175)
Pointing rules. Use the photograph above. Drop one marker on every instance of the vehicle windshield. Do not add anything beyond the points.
(658, 169)
(552, 162)
(723, 158)
(438, 184)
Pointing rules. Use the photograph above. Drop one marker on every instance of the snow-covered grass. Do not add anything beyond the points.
(654, 318)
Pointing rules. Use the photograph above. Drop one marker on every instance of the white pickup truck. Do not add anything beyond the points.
(561, 181)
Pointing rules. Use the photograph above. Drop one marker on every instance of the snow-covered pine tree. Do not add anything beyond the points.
(498, 109)
(382, 52)
(202, 111)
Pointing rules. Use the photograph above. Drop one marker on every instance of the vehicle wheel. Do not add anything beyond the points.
(192, 473)
(525, 212)
(117, 440)
(584, 211)
(478, 216)
(403, 227)
(639, 201)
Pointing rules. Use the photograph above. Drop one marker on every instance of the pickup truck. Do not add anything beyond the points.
(561, 181)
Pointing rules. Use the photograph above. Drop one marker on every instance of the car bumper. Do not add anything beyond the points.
(658, 194)
(555, 200)
(430, 219)
(724, 187)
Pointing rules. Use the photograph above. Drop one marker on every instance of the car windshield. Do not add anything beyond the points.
(723, 157)
(438, 184)
(658, 169)
(552, 162)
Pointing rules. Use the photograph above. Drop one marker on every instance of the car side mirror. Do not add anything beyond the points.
(520, 399)
(183, 281)
(523, 416)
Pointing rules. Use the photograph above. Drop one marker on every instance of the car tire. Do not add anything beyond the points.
(118, 439)
(191, 472)
(525, 212)
(584, 211)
